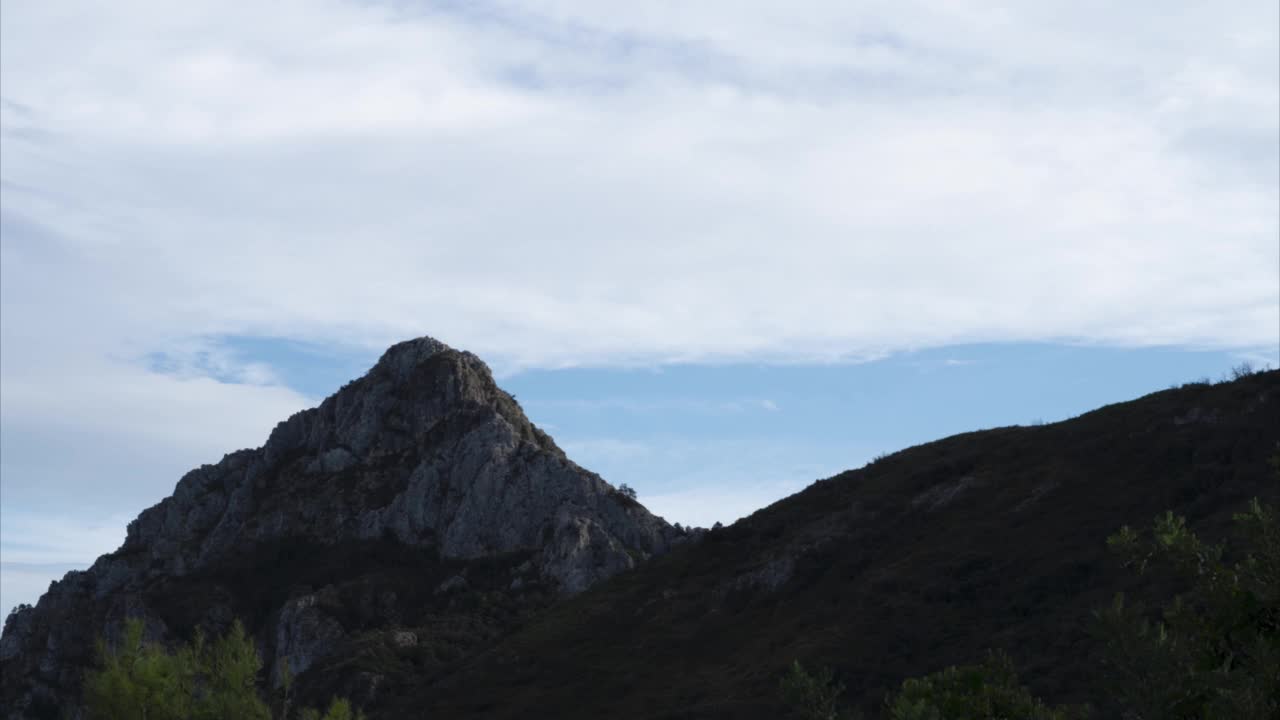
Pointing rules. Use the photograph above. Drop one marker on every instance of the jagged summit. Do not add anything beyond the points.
(404, 356)
(415, 382)
(424, 454)
(424, 447)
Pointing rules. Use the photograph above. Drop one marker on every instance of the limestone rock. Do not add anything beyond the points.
(424, 451)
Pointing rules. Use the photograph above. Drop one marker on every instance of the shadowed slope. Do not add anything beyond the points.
(923, 559)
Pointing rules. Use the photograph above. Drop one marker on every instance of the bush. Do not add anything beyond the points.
(811, 697)
(1243, 370)
(198, 681)
(1214, 652)
(140, 679)
(989, 691)
(339, 709)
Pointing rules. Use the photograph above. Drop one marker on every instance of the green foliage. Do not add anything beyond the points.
(989, 691)
(1214, 652)
(339, 709)
(140, 680)
(811, 696)
(230, 670)
(286, 687)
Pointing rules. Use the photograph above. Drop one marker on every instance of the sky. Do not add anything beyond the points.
(717, 249)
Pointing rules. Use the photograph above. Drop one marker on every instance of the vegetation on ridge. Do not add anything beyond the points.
(1214, 654)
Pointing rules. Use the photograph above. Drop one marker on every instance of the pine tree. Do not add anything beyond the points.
(1214, 651)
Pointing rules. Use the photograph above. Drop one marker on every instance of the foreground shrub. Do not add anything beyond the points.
(813, 696)
(141, 680)
(989, 691)
(1214, 651)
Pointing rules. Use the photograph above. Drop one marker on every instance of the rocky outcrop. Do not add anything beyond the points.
(424, 452)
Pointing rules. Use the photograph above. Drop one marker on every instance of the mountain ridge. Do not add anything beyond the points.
(927, 557)
(416, 544)
(422, 452)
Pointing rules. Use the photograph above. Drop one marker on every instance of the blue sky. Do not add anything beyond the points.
(717, 249)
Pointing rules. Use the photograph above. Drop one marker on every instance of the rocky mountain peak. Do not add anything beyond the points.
(424, 452)
(414, 385)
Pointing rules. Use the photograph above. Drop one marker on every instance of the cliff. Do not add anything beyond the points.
(383, 511)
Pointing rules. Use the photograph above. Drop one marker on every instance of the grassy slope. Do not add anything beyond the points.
(920, 560)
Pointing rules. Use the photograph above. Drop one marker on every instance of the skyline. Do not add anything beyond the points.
(744, 440)
(212, 215)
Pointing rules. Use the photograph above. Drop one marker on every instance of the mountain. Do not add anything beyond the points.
(417, 500)
(416, 544)
(923, 559)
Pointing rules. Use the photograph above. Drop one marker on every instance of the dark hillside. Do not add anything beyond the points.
(923, 559)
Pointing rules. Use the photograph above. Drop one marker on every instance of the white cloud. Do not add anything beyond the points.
(89, 442)
(557, 183)
(550, 184)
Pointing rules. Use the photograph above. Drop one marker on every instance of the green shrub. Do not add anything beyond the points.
(1215, 650)
(811, 697)
(989, 691)
(339, 709)
(140, 680)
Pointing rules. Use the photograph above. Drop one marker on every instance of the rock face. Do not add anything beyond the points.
(424, 459)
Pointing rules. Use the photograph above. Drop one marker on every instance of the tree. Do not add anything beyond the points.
(1214, 652)
(989, 691)
(627, 490)
(811, 696)
(141, 680)
(286, 687)
(1243, 370)
(339, 709)
(230, 670)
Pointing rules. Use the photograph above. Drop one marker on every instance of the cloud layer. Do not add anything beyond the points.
(548, 183)
(555, 183)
